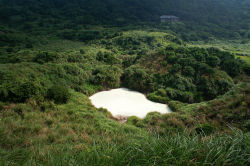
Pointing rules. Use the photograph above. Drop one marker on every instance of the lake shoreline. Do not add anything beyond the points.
(123, 103)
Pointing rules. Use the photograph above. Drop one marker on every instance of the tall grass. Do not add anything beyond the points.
(179, 149)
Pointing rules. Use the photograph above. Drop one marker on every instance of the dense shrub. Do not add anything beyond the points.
(106, 76)
(171, 57)
(180, 83)
(159, 96)
(215, 85)
(191, 74)
(188, 71)
(129, 60)
(135, 77)
(171, 94)
(177, 41)
(246, 68)
(59, 94)
(232, 67)
(213, 61)
(133, 120)
(19, 91)
(183, 96)
(44, 57)
(175, 68)
(107, 57)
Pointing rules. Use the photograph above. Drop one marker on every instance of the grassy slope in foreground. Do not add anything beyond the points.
(78, 134)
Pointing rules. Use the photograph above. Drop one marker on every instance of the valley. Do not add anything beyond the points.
(66, 67)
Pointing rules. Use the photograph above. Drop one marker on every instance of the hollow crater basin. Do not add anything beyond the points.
(124, 102)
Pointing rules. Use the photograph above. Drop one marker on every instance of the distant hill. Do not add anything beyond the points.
(213, 16)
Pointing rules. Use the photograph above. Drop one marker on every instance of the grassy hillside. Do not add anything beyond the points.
(78, 134)
(55, 54)
(37, 128)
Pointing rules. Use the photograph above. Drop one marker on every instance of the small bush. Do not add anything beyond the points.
(175, 106)
(44, 57)
(133, 120)
(107, 57)
(152, 118)
(59, 94)
(185, 96)
(158, 96)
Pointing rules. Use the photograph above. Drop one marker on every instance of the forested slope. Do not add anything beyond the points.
(226, 18)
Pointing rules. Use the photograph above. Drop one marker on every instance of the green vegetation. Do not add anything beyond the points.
(55, 54)
(59, 94)
(245, 58)
(71, 19)
(78, 134)
(184, 74)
